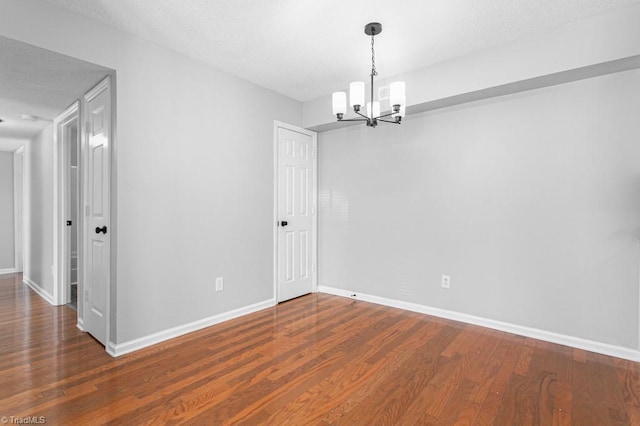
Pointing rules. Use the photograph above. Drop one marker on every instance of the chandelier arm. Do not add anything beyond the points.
(361, 115)
(387, 115)
(387, 121)
(354, 119)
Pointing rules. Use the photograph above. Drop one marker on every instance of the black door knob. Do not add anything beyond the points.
(284, 223)
(103, 230)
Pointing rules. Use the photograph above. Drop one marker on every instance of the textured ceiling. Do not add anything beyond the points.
(308, 48)
(39, 82)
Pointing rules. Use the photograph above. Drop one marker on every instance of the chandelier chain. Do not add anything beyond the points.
(373, 59)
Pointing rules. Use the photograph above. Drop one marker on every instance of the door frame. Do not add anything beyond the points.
(314, 220)
(108, 85)
(18, 209)
(61, 203)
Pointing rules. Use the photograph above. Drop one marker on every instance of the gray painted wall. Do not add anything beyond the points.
(531, 202)
(7, 244)
(194, 172)
(38, 229)
(195, 194)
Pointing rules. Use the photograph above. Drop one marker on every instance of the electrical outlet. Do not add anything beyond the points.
(219, 284)
(446, 281)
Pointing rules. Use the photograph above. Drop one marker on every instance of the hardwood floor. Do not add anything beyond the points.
(319, 359)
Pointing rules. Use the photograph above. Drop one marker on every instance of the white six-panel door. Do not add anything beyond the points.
(296, 214)
(96, 254)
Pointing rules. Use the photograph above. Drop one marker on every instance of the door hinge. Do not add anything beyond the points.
(313, 267)
(89, 129)
(86, 211)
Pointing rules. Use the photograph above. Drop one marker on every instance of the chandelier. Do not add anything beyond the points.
(397, 98)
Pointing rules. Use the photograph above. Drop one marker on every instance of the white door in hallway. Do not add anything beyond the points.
(296, 213)
(96, 252)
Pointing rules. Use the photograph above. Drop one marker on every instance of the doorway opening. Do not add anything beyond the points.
(82, 199)
(61, 178)
(68, 138)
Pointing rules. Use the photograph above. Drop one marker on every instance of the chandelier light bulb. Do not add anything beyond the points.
(356, 93)
(397, 93)
(339, 103)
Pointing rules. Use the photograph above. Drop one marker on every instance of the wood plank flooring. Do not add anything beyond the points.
(316, 360)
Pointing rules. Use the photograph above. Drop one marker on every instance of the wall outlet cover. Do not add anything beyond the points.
(446, 281)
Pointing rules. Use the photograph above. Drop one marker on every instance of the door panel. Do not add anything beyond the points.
(289, 189)
(97, 273)
(296, 188)
(304, 191)
(304, 255)
(98, 300)
(290, 248)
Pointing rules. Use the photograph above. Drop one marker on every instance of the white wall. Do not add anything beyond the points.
(531, 202)
(194, 170)
(7, 242)
(38, 211)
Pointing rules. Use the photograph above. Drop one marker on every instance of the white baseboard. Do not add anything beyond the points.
(38, 289)
(116, 350)
(80, 324)
(548, 336)
(112, 349)
(8, 271)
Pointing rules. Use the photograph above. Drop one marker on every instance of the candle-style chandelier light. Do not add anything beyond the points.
(397, 98)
